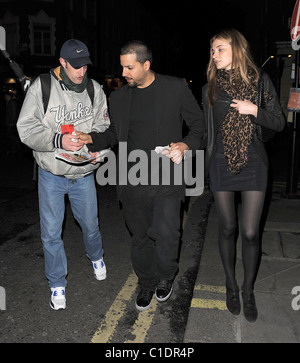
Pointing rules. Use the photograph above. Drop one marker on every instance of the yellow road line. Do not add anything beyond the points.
(208, 304)
(210, 288)
(143, 323)
(116, 311)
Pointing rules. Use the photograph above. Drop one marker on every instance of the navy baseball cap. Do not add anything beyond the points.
(76, 53)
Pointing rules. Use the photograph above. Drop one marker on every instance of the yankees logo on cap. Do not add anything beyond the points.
(76, 53)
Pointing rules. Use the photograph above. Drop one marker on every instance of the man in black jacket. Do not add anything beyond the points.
(149, 112)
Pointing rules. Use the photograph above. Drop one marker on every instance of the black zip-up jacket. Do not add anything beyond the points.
(270, 116)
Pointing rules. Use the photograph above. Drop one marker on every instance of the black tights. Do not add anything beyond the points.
(251, 210)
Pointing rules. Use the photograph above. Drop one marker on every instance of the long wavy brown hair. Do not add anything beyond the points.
(242, 61)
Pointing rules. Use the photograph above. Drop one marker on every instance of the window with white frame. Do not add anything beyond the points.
(42, 39)
(42, 30)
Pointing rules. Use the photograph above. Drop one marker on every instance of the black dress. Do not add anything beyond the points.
(253, 177)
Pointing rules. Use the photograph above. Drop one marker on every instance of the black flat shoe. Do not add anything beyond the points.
(143, 300)
(233, 301)
(250, 310)
(164, 290)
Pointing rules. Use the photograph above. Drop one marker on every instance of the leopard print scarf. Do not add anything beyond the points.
(237, 130)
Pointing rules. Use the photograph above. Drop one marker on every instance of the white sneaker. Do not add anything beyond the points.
(99, 269)
(58, 298)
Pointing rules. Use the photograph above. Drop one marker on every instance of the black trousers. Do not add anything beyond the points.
(152, 215)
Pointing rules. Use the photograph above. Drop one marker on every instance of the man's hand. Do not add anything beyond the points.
(71, 142)
(95, 155)
(84, 138)
(179, 146)
(176, 153)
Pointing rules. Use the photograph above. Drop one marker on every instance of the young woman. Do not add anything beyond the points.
(236, 160)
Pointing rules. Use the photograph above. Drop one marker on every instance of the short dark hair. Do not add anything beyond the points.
(140, 49)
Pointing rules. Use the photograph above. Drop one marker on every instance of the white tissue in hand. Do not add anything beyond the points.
(175, 155)
(160, 149)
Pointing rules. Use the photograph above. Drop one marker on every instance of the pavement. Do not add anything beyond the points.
(277, 288)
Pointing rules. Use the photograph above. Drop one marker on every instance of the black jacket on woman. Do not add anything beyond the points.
(270, 116)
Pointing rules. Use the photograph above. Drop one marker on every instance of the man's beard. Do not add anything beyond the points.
(134, 84)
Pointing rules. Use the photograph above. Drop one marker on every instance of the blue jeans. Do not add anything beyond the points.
(83, 200)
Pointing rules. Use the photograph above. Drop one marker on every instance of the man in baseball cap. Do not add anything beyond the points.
(71, 109)
(76, 53)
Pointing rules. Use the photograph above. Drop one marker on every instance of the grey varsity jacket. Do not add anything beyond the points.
(41, 131)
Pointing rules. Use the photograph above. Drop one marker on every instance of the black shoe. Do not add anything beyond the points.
(250, 310)
(233, 301)
(143, 300)
(164, 290)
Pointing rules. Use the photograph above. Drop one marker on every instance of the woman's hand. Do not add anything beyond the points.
(245, 107)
